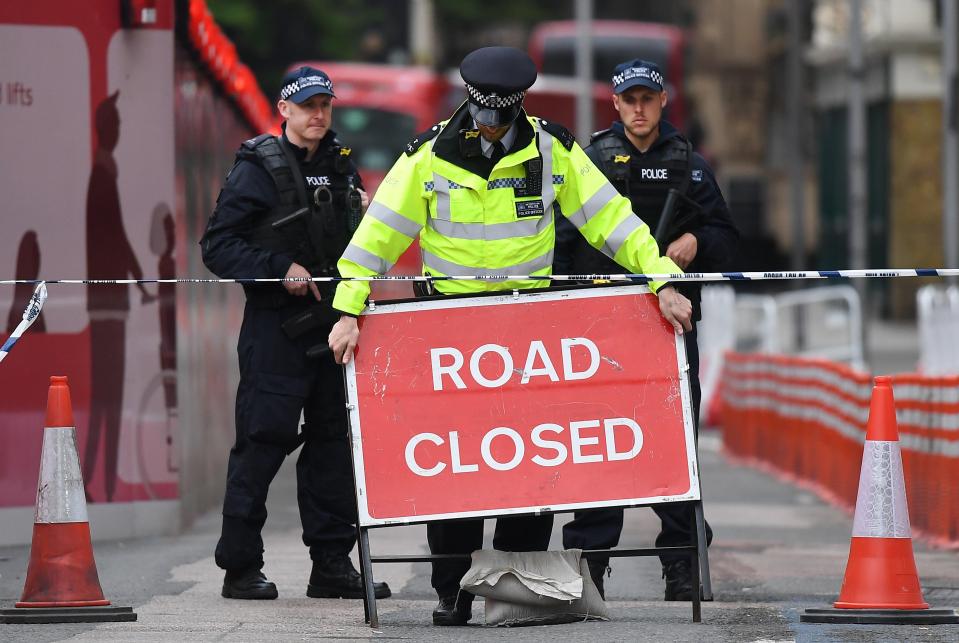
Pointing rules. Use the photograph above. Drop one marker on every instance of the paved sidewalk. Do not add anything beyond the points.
(777, 551)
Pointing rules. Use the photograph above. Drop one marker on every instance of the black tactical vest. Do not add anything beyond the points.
(646, 179)
(315, 216)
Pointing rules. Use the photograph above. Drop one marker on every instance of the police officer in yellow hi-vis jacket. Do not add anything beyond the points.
(482, 190)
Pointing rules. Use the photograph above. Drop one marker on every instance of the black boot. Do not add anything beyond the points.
(453, 610)
(334, 576)
(679, 580)
(248, 584)
(597, 568)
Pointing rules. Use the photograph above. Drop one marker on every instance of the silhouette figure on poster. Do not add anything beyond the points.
(162, 243)
(28, 267)
(109, 256)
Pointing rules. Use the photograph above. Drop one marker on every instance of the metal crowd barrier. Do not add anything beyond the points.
(824, 322)
(805, 419)
(938, 320)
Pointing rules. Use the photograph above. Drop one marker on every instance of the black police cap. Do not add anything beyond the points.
(496, 80)
(305, 82)
(637, 73)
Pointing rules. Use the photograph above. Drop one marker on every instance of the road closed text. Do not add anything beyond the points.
(550, 445)
(504, 448)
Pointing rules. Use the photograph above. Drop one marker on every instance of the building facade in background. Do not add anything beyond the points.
(903, 87)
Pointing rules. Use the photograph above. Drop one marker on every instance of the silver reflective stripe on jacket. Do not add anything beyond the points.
(441, 186)
(454, 269)
(546, 152)
(367, 259)
(393, 220)
(617, 238)
(492, 231)
(593, 205)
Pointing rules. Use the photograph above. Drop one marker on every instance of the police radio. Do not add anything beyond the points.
(354, 206)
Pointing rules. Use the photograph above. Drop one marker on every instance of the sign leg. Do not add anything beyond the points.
(366, 570)
(702, 550)
(694, 568)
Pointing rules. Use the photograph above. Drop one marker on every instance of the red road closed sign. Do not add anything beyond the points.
(519, 403)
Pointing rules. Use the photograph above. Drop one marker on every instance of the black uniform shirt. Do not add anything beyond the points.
(716, 237)
(249, 193)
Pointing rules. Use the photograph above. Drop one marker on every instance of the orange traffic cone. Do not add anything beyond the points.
(881, 583)
(62, 583)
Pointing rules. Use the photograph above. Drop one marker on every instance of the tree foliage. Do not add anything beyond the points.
(271, 35)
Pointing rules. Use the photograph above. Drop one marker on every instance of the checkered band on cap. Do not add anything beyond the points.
(303, 83)
(638, 72)
(494, 100)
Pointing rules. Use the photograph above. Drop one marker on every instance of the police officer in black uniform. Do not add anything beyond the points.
(287, 209)
(646, 158)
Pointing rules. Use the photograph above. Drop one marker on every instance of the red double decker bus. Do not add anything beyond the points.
(552, 46)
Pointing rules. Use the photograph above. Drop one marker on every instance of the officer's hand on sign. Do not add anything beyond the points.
(343, 338)
(683, 250)
(300, 288)
(676, 309)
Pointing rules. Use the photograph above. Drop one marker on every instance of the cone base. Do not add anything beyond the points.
(891, 607)
(68, 615)
(880, 616)
(60, 604)
(881, 574)
(62, 572)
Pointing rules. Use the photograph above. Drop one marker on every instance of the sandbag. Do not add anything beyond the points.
(534, 588)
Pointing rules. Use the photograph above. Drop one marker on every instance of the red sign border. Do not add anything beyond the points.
(512, 298)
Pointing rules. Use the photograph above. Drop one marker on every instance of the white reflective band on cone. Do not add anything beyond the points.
(60, 495)
(881, 510)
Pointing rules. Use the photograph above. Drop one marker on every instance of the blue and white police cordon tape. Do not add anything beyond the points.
(30, 314)
(687, 276)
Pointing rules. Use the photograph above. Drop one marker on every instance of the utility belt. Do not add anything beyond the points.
(320, 315)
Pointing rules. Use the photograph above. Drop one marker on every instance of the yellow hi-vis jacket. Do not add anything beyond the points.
(470, 225)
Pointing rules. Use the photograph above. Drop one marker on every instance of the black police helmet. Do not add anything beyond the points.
(496, 80)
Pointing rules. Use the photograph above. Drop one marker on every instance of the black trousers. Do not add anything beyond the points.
(521, 533)
(277, 383)
(601, 528)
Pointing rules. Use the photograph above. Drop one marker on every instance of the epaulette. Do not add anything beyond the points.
(600, 134)
(421, 138)
(561, 133)
(251, 143)
(248, 147)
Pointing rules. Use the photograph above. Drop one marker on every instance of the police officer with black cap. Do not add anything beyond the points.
(481, 191)
(287, 209)
(496, 82)
(673, 189)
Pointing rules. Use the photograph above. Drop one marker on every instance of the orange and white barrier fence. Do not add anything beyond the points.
(805, 419)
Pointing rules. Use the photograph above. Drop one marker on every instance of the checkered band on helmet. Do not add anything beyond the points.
(638, 72)
(494, 100)
(302, 83)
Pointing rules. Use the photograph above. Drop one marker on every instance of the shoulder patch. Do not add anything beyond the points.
(600, 134)
(561, 133)
(422, 138)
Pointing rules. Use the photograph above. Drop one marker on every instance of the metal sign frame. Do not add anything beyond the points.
(696, 550)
